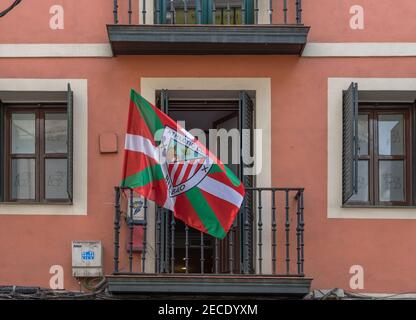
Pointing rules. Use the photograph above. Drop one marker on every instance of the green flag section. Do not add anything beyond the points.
(165, 163)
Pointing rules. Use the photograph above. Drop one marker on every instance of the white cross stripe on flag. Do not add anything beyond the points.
(221, 190)
(140, 144)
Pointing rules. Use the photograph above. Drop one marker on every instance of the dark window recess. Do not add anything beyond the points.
(377, 152)
(37, 147)
(194, 251)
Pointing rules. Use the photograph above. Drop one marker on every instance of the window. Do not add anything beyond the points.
(377, 153)
(204, 12)
(210, 110)
(37, 154)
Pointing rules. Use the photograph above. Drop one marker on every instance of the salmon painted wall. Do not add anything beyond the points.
(29, 245)
(84, 21)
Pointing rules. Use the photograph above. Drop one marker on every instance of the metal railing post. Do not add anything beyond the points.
(287, 230)
(216, 256)
(185, 11)
(129, 219)
(130, 11)
(260, 230)
(186, 248)
(302, 228)
(202, 258)
(158, 240)
(299, 11)
(144, 12)
(115, 12)
(116, 229)
(172, 232)
(256, 12)
(298, 199)
(144, 252)
(246, 234)
(271, 11)
(285, 11)
(274, 231)
(243, 12)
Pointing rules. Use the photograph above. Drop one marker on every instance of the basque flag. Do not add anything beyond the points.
(165, 163)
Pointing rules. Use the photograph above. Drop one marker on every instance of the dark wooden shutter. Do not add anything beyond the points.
(2, 133)
(70, 169)
(350, 142)
(166, 214)
(163, 230)
(207, 12)
(246, 113)
(164, 101)
(160, 12)
(249, 11)
(413, 161)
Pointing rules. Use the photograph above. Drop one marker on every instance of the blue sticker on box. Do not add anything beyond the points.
(87, 255)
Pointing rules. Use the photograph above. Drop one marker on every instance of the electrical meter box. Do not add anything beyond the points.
(87, 259)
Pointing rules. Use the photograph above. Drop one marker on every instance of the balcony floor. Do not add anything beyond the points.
(253, 286)
(207, 39)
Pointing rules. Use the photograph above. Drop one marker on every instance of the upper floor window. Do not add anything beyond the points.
(37, 149)
(377, 152)
(224, 12)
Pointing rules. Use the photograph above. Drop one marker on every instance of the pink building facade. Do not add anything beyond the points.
(347, 148)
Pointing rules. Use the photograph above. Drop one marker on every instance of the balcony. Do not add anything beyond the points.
(203, 27)
(262, 255)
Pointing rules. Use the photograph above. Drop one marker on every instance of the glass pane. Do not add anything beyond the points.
(23, 133)
(189, 14)
(55, 133)
(56, 179)
(391, 180)
(362, 194)
(223, 14)
(182, 15)
(363, 134)
(391, 134)
(23, 179)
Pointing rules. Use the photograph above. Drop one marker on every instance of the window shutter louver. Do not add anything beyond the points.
(249, 12)
(207, 12)
(160, 11)
(165, 232)
(164, 101)
(70, 119)
(350, 142)
(2, 178)
(246, 111)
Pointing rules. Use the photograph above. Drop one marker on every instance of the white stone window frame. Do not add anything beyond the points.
(263, 120)
(334, 143)
(79, 204)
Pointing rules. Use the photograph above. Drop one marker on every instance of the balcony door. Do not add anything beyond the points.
(221, 12)
(181, 249)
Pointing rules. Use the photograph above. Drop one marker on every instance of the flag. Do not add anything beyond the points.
(165, 163)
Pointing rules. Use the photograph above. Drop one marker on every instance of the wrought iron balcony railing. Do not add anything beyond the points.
(267, 238)
(216, 12)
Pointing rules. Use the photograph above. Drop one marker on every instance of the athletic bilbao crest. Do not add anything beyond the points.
(185, 163)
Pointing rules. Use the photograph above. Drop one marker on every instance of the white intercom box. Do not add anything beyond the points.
(87, 259)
